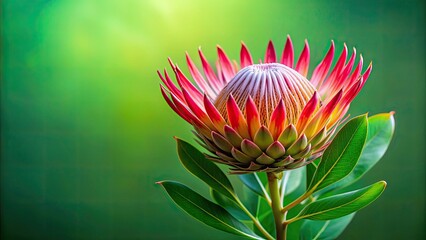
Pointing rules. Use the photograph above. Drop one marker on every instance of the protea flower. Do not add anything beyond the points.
(265, 116)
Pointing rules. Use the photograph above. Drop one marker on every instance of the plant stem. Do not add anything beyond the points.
(276, 205)
(285, 225)
(297, 201)
(255, 221)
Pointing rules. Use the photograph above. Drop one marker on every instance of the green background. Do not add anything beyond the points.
(85, 132)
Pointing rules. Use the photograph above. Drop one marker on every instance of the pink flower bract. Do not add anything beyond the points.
(267, 116)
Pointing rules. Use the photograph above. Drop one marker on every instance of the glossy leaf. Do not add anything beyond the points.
(293, 179)
(380, 131)
(250, 199)
(196, 163)
(254, 181)
(324, 230)
(342, 204)
(340, 158)
(231, 206)
(310, 171)
(206, 211)
(265, 216)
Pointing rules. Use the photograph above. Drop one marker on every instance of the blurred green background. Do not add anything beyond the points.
(85, 132)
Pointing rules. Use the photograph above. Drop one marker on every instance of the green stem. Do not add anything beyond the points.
(255, 221)
(276, 205)
(297, 201)
(285, 225)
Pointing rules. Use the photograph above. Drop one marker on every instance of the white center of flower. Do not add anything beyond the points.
(267, 83)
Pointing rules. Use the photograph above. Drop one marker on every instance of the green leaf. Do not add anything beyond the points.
(293, 178)
(310, 171)
(380, 131)
(229, 205)
(197, 163)
(255, 182)
(342, 204)
(265, 216)
(250, 199)
(205, 211)
(340, 158)
(324, 230)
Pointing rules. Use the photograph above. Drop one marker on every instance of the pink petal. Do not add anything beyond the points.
(236, 118)
(215, 117)
(323, 115)
(287, 57)
(253, 118)
(302, 65)
(199, 79)
(170, 85)
(208, 71)
(342, 78)
(356, 73)
(171, 63)
(307, 112)
(349, 95)
(277, 123)
(219, 73)
(172, 105)
(333, 78)
(226, 65)
(270, 56)
(344, 103)
(367, 72)
(245, 56)
(321, 70)
(183, 109)
(329, 108)
(184, 83)
(195, 108)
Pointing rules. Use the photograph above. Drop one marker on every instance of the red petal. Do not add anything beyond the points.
(322, 69)
(344, 103)
(253, 119)
(172, 105)
(245, 56)
(336, 80)
(199, 79)
(355, 75)
(367, 72)
(184, 83)
(307, 112)
(216, 118)
(183, 109)
(226, 65)
(270, 56)
(195, 108)
(171, 63)
(208, 71)
(219, 73)
(329, 108)
(333, 79)
(287, 57)
(342, 78)
(170, 85)
(352, 92)
(236, 118)
(277, 123)
(302, 65)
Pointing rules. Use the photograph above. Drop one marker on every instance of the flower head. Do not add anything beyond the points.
(267, 116)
